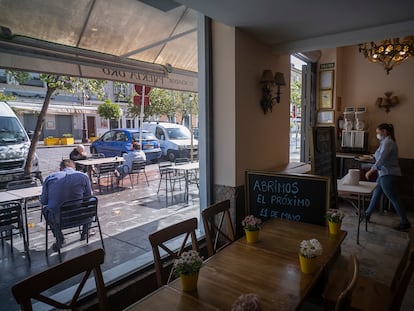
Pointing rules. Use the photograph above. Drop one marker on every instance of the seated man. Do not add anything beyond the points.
(135, 154)
(65, 185)
(79, 153)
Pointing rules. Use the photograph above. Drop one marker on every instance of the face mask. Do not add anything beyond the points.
(380, 137)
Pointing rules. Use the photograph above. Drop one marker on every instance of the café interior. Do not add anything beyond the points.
(237, 42)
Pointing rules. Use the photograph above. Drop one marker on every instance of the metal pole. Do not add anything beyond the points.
(84, 130)
(141, 115)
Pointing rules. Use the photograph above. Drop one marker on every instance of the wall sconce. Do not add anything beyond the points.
(268, 81)
(387, 102)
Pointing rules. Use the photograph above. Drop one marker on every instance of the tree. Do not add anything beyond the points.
(109, 110)
(54, 83)
(296, 93)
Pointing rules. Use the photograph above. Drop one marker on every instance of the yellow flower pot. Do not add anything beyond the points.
(308, 265)
(49, 141)
(252, 236)
(189, 281)
(92, 139)
(67, 140)
(334, 227)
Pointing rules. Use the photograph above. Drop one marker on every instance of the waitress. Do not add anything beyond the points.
(389, 172)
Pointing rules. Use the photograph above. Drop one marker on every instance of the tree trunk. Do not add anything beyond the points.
(38, 129)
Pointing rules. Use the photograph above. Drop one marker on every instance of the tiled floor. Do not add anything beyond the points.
(129, 215)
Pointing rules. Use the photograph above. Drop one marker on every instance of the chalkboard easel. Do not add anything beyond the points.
(297, 197)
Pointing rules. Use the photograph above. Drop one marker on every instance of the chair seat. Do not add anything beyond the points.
(366, 287)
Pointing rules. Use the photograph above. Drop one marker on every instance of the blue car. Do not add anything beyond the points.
(117, 142)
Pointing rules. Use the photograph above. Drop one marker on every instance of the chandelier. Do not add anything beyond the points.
(389, 52)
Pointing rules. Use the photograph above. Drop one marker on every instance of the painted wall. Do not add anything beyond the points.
(244, 137)
(363, 82)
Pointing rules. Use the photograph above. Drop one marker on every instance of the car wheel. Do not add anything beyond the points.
(93, 150)
(171, 156)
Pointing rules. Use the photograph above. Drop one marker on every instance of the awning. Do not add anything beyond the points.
(52, 109)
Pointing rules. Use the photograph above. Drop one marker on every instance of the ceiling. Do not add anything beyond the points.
(161, 35)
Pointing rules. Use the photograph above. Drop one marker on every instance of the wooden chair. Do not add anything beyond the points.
(215, 230)
(160, 238)
(74, 215)
(11, 220)
(344, 299)
(138, 167)
(36, 286)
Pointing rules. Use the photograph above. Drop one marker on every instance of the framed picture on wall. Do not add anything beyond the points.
(325, 99)
(326, 117)
(326, 80)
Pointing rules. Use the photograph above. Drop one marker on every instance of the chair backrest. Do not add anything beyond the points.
(36, 286)
(401, 266)
(158, 240)
(137, 166)
(78, 212)
(345, 297)
(215, 219)
(96, 155)
(24, 183)
(10, 216)
(105, 168)
(401, 288)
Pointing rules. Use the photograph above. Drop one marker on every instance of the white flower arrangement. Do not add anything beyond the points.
(247, 302)
(334, 215)
(310, 248)
(188, 263)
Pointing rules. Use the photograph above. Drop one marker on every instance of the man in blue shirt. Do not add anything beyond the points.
(59, 187)
(135, 154)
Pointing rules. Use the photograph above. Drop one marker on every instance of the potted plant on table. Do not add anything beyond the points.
(334, 218)
(309, 251)
(187, 267)
(251, 226)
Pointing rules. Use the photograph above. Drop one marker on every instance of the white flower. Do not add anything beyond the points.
(310, 248)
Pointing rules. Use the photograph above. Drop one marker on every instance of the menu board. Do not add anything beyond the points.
(297, 197)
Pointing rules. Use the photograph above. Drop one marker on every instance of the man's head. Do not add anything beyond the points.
(80, 148)
(67, 163)
(136, 146)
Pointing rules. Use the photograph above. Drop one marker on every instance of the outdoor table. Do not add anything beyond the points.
(363, 190)
(269, 268)
(186, 168)
(89, 163)
(22, 195)
(7, 197)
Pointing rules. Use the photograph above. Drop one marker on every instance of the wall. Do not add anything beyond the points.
(363, 82)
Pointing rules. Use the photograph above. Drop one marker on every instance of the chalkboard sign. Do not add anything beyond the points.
(297, 197)
(323, 158)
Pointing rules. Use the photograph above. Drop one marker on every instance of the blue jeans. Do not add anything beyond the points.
(388, 185)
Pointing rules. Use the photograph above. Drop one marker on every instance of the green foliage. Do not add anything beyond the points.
(19, 76)
(296, 93)
(4, 97)
(109, 110)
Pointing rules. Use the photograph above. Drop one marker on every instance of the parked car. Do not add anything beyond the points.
(14, 147)
(175, 139)
(117, 142)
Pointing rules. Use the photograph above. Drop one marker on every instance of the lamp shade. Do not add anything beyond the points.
(267, 77)
(280, 78)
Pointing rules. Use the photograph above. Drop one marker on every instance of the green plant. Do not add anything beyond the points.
(188, 263)
(251, 223)
(67, 135)
(334, 215)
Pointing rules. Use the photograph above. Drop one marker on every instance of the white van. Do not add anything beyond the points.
(14, 147)
(175, 139)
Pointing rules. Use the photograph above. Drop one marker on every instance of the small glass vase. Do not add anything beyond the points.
(334, 227)
(252, 236)
(307, 265)
(189, 281)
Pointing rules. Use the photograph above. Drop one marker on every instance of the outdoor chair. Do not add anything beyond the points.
(96, 155)
(138, 167)
(105, 171)
(218, 226)
(11, 220)
(159, 240)
(38, 287)
(74, 215)
(169, 176)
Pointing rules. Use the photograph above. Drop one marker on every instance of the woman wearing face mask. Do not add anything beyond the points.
(389, 172)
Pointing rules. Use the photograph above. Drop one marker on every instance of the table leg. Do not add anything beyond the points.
(359, 216)
(26, 221)
(186, 186)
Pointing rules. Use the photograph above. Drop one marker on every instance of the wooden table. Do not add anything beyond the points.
(89, 163)
(22, 195)
(361, 191)
(269, 268)
(186, 168)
